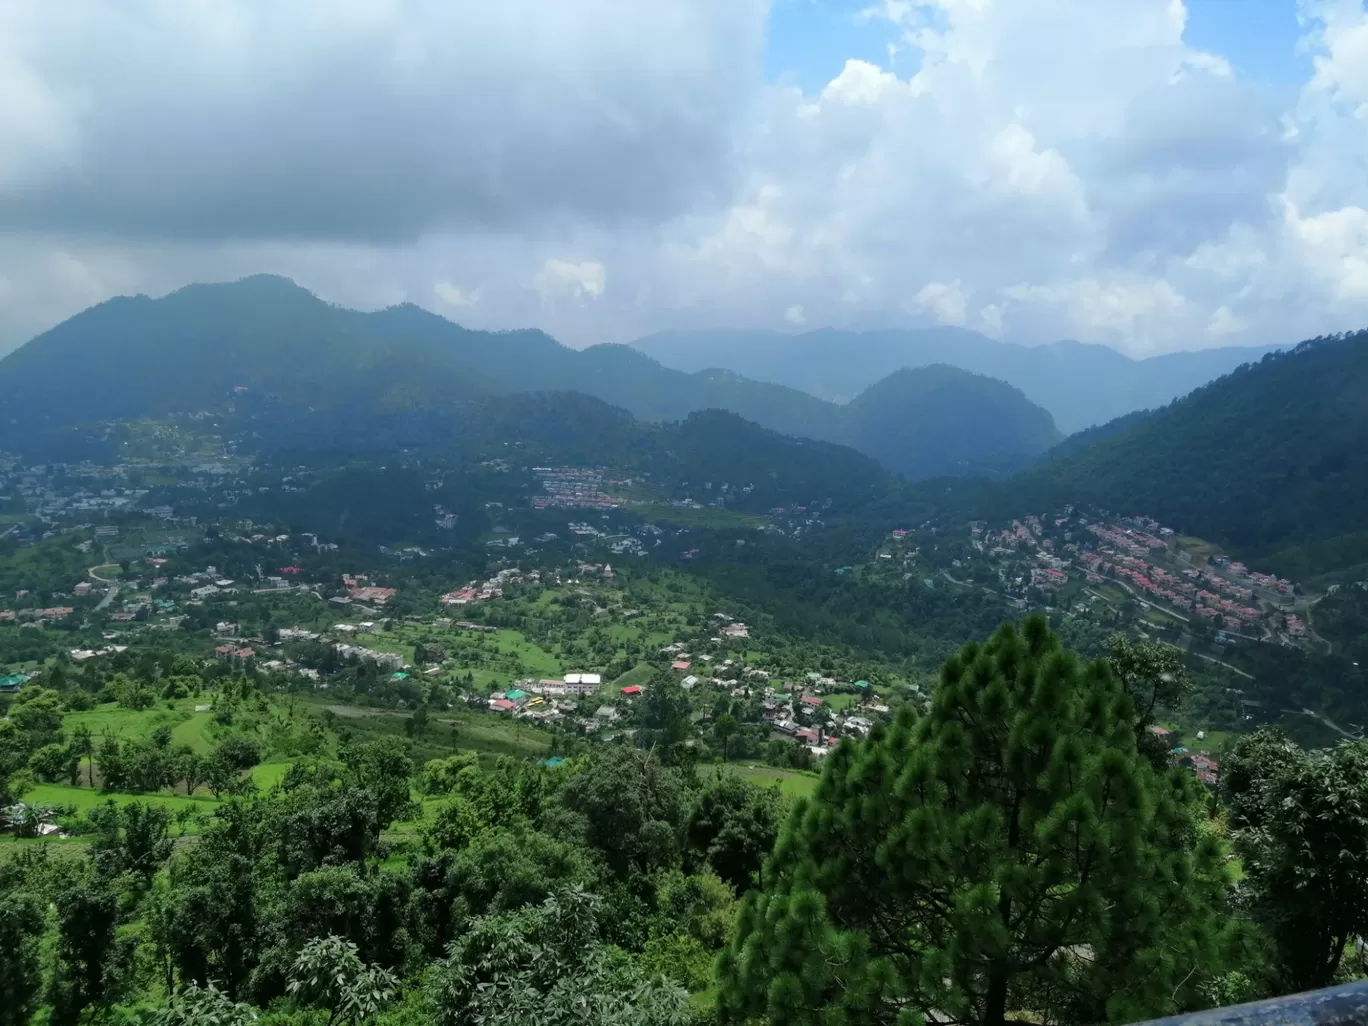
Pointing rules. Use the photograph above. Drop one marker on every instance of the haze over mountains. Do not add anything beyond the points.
(136, 356)
(1271, 456)
(1080, 385)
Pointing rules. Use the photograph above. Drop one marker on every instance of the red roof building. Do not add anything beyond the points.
(632, 690)
(373, 594)
(679, 664)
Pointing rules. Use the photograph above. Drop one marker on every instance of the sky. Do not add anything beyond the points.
(1148, 174)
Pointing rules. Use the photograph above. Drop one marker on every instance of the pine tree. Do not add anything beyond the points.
(1010, 851)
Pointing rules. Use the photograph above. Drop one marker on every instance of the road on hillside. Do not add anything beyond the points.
(113, 591)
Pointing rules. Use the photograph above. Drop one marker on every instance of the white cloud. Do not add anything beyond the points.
(454, 295)
(946, 300)
(566, 277)
(1223, 323)
(1035, 169)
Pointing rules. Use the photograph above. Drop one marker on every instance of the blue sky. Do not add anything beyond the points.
(810, 40)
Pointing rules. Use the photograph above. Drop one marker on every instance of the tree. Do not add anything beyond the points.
(545, 965)
(1303, 839)
(131, 839)
(1153, 676)
(53, 762)
(21, 930)
(37, 714)
(665, 709)
(633, 808)
(1010, 850)
(130, 693)
(85, 973)
(724, 730)
(204, 1006)
(329, 974)
(383, 768)
(733, 827)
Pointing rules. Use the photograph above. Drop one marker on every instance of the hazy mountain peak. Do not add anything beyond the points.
(1080, 383)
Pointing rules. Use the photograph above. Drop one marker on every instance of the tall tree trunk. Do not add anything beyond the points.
(995, 1003)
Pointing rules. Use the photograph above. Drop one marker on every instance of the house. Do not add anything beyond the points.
(606, 712)
(582, 683)
(680, 664)
(501, 705)
(372, 595)
(13, 682)
(689, 682)
(632, 690)
(812, 701)
(517, 696)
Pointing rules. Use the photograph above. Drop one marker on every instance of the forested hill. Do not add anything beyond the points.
(942, 421)
(1274, 455)
(276, 352)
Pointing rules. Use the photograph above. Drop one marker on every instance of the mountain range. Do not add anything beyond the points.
(395, 368)
(1080, 385)
(1270, 459)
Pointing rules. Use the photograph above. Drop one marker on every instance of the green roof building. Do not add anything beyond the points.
(13, 682)
(516, 695)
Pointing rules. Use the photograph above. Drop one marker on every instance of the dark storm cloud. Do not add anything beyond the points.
(373, 121)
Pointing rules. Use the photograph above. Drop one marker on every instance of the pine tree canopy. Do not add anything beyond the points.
(1009, 852)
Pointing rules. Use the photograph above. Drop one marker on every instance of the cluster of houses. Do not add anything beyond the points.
(1203, 766)
(537, 699)
(483, 591)
(34, 617)
(573, 488)
(1135, 551)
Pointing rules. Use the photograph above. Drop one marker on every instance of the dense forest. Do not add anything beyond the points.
(955, 863)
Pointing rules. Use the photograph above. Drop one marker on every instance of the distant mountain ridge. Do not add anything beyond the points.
(272, 340)
(1081, 385)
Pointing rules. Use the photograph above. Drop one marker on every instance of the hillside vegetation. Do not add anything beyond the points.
(313, 375)
(1272, 456)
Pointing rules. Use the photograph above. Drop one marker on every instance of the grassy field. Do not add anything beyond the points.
(85, 798)
(839, 703)
(666, 514)
(638, 674)
(1200, 550)
(794, 783)
(474, 731)
(136, 724)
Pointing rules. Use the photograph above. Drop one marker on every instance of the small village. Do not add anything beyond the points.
(1185, 581)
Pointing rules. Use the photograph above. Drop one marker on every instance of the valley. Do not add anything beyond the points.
(448, 662)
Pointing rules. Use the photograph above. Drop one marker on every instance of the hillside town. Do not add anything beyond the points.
(1180, 578)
